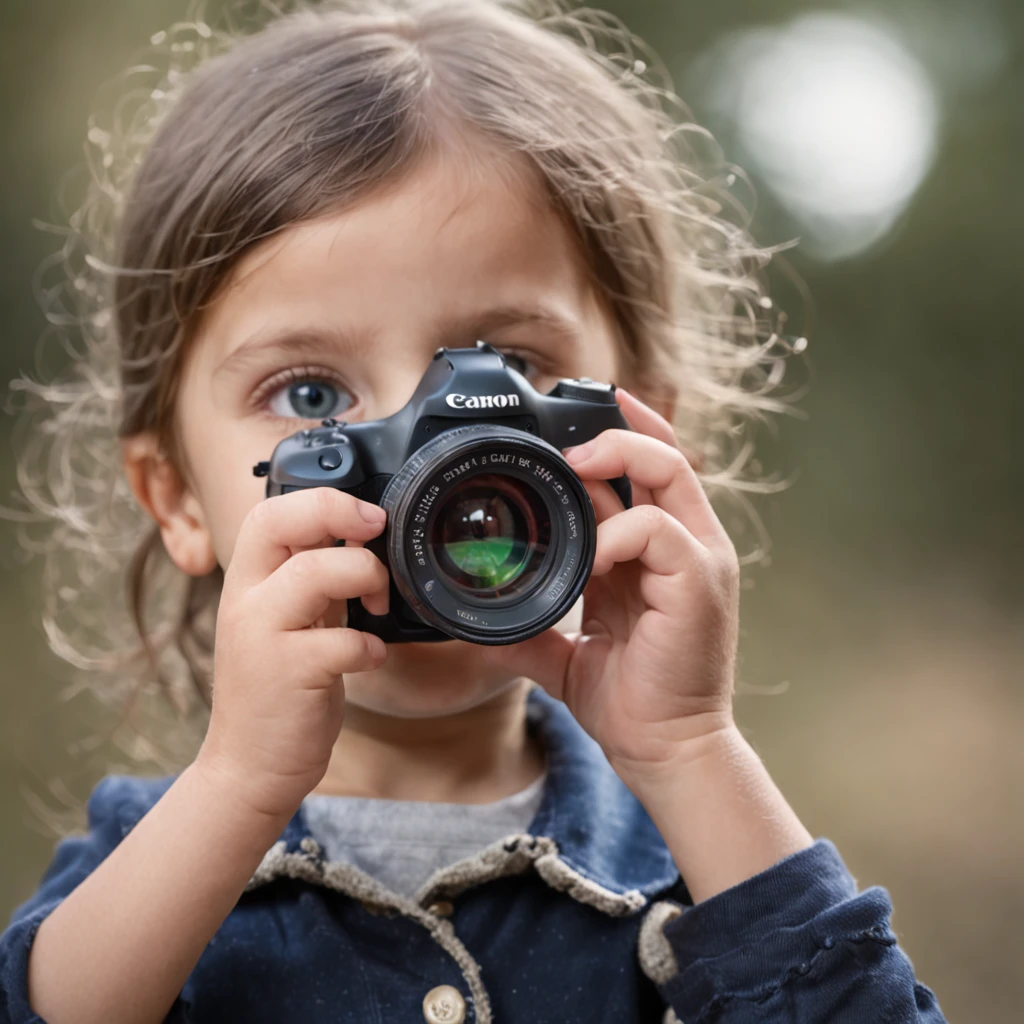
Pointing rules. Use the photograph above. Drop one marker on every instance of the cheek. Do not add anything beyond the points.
(220, 453)
(227, 496)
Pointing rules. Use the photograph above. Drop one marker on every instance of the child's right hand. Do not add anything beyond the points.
(278, 689)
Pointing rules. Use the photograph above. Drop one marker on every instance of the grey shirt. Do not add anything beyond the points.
(402, 842)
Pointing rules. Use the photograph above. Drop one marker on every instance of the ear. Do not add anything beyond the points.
(162, 491)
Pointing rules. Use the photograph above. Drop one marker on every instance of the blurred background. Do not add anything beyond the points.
(882, 647)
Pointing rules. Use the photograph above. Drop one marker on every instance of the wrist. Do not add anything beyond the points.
(693, 739)
(720, 814)
(222, 786)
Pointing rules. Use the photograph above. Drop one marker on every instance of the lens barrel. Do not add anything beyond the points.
(491, 535)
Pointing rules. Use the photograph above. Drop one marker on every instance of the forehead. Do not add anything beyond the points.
(461, 229)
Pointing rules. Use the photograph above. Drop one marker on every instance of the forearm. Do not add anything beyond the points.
(122, 944)
(718, 810)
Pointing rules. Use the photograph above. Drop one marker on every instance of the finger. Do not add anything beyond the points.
(641, 417)
(336, 652)
(302, 519)
(297, 593)
(648, 533)
(605, 501)
(651, 463)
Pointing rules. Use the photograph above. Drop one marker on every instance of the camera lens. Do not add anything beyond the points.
(490, 534)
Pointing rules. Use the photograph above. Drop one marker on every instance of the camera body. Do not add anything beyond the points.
(490, 534)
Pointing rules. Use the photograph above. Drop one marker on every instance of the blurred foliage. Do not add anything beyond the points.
(881, 652)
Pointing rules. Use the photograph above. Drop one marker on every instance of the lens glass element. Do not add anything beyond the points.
(490, 535)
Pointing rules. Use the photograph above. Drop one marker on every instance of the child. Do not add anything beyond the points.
(567, 829)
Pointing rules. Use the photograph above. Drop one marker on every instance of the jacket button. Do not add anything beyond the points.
(443, 908)
(444, 1005)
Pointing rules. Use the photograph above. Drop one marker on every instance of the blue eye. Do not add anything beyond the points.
(519, 363)
(309, 400)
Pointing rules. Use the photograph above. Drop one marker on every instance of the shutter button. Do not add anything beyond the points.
(330, 459)
(444, 1005)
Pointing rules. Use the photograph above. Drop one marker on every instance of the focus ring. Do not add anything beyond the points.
(410, 503)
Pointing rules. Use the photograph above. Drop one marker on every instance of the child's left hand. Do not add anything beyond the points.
(653, 666)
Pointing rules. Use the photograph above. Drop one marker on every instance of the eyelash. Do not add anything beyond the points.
(526, 357)
(265, 391)
(268, 388)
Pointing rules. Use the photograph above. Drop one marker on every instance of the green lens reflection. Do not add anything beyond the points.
(487, 559)
(491, 535)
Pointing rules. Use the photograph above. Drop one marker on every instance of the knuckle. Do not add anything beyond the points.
(651, 517)
(324, 501)
(301, 566)
(377, 567)
(258, 515)
(372, 561)
(367, 561)
(229, 612)
(723, 563)
(332, 642)
(236, 615)
(669, 434)
(679, 463)
(347, 647)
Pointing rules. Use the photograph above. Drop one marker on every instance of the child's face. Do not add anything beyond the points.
(340, 317)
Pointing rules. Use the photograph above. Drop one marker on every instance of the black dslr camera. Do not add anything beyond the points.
(490, 534)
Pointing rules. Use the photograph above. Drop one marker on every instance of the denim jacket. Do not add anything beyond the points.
(582, 918)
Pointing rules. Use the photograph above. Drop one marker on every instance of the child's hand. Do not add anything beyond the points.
(653, 666)
(278, 691)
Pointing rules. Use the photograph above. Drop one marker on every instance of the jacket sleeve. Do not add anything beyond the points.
(795, 943)
(74, 859)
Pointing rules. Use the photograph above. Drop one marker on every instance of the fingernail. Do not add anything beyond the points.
(578, 452)
(371, 513)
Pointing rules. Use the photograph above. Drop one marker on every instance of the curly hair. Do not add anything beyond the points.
(226, 136)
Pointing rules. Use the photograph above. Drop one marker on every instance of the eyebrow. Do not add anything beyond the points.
(556, 324)
(310, 340)
(306, 341)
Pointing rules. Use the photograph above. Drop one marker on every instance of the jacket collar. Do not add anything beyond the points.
(590, 836)
(599, 829)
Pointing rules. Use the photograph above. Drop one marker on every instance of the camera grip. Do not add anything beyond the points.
(624, 489)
